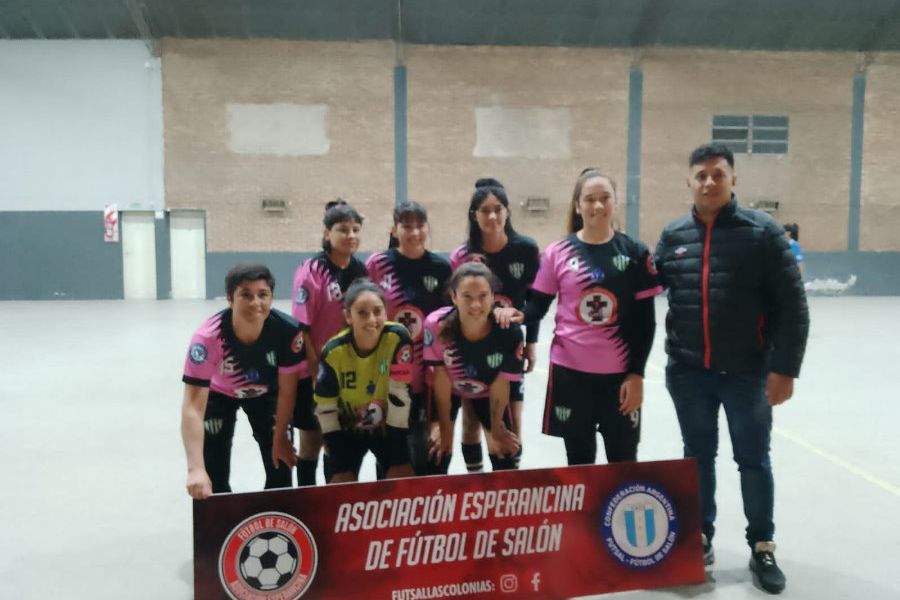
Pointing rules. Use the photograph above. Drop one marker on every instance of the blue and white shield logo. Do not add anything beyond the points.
(639, 525)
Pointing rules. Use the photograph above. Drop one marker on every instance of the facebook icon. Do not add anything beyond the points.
(536, 581)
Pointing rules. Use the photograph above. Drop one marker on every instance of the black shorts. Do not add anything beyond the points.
(481, 406)
(482, 409)
(580, 404)
(347, 449)
(516, 394)
(305, 408)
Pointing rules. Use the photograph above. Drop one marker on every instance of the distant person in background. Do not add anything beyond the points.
(242, 357)
(792, 232)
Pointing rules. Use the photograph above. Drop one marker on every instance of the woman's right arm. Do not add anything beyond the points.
(193, 410)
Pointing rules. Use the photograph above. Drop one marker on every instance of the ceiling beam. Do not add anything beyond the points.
(654, 14)
(138, 11)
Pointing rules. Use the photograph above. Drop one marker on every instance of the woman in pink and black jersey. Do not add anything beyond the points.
(240, 358)
(414, 281)
(474, 361)
(605, 282)
(513, 258)
(319, 287)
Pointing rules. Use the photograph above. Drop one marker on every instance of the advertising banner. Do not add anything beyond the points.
(543, 533)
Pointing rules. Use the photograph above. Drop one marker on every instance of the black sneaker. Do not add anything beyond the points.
(709, 557)
(762, 562)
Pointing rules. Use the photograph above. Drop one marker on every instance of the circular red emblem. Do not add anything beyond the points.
(412, 318)
(597, 307)
(268, 555)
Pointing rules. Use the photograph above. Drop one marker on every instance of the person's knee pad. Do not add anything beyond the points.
(473, 457)
(502, 463)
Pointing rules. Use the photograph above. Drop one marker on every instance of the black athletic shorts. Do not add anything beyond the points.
(305, 407)
(579, 404)
(348, 448)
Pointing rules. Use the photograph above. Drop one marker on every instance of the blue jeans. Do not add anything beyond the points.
(697, 394)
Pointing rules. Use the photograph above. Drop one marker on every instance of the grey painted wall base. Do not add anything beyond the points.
(282, 265)
(853, 273)
(54, 255)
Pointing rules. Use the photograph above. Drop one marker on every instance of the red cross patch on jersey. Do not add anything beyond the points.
(597, 307)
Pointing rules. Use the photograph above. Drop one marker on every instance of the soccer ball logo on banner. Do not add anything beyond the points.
(269, 555)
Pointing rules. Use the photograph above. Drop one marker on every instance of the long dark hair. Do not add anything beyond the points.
(409, 209)
(337, 211)
(574, 222)
(451, 328)
(484, 188)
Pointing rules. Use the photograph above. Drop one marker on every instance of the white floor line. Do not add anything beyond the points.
(837, 461)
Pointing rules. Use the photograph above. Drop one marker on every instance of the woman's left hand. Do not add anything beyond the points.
(631, 394)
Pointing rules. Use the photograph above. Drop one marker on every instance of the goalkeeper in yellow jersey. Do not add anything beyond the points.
(362, 387)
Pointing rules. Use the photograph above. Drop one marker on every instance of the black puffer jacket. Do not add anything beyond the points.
(736, 299)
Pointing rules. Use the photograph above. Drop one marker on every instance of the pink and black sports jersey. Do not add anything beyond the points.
(319, 287)
(597, 286)
(413, 288)
(218, 360)
(473, 366)
(515, 266)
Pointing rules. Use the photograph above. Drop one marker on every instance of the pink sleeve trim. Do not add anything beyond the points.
(649, 293)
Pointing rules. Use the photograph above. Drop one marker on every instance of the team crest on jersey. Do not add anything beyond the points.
(405, 353)
(574, 264)
(268, 555)
(371, 415)
(448, 357)
(621, 261)
(334, 291)
(639, 525)
(270, 358)
(228, 366)
(297, 344)
(494, 360)
(501, 301)
(597, 307)
(250, 391)
(412, 318)
(470, 387)
(562, 413)
(302, 295)
(198, 353)
(517, 269)
(651, 266)
(428, 338)
(430, 282)
(383, 367)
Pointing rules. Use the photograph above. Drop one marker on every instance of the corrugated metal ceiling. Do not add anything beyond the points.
(840, 25)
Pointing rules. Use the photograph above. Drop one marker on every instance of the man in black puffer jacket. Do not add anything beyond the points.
(736, 334)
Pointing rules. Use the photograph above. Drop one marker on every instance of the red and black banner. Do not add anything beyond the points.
(545, 533)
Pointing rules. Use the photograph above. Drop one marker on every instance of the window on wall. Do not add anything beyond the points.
(751, 134)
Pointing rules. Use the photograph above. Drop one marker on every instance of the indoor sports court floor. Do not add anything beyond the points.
(93, 469)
